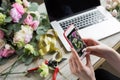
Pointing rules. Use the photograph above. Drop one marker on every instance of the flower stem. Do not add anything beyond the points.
(12, 73)
(11, 67)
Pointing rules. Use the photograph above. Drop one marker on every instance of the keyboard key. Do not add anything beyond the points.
(84, 20)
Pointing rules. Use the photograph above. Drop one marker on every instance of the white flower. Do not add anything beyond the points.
(27, 29)
(23, 36)
(114, 13)
(7, 46)
(26, 3)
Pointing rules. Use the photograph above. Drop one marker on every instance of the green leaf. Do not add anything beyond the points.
(8, 19)
(19, 51)
(1, 9)
(27, 59)
(5, 30)
(11, 29)
(23, 17)
(4, 5)
(40, 30)
(33, 6)
(38, 37)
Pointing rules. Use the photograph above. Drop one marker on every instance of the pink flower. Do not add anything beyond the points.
(34, 24)
(28, 37)
(7, 52)
(19, 8)
(28, 20)
(1, 34)
(15, 15)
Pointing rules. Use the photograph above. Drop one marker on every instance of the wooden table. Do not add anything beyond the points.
(64, 67)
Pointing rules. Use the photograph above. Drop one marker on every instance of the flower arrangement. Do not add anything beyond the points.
(21, 25)
(23, 35)
(113, 6)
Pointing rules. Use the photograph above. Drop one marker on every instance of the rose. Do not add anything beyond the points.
(15, 15)
(1, 34)
(16, 12)
(7, 51)
(19, 8)
(23, 36)
(28, 20)
(28, 31)
(34, 24)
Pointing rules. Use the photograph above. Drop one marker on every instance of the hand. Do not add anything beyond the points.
(84, 72)
(98, 49)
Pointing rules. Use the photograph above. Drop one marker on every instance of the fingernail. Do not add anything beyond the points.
(84, 50)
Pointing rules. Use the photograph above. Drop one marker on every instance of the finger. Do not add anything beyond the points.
(72, 66)
(90, 42)
(88, 60)
(76, 58)
(91, 48)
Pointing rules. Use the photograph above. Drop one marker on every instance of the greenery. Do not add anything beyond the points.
(11, 30)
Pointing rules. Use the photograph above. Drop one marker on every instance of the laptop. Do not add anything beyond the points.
(92, 20)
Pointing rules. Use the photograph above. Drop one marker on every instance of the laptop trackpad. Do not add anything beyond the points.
(101, 30)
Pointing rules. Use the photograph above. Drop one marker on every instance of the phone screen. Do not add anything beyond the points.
(76, 41)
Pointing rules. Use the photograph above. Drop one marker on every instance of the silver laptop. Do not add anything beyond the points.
(92, 20)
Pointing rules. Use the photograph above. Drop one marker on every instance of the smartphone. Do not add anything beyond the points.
(74, 39)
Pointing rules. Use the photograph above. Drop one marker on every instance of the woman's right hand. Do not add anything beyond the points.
(98, 49)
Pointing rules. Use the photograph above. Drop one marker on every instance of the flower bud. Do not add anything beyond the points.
(2, 18)
(44, 70)
(7, 46)
(30, 48)
(114, 13)
(18, 1)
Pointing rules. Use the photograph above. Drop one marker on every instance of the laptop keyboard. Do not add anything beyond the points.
(84, 20)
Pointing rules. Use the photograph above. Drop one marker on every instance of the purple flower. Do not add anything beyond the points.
(1, 34)
(74, 34)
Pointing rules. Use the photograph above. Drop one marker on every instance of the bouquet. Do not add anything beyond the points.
(113, 6)
(21, 25)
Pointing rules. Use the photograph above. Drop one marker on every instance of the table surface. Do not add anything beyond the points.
(64, 67)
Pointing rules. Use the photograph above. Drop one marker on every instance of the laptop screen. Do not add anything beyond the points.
(58, 9)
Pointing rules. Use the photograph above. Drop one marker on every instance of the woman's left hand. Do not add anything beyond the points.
(84, 72)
